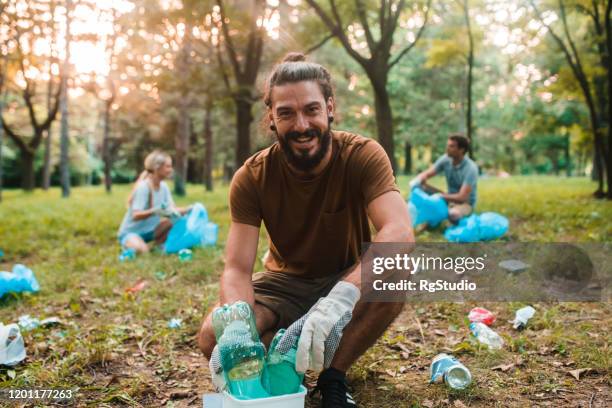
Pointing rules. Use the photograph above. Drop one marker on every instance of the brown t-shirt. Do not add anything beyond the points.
(315, 226)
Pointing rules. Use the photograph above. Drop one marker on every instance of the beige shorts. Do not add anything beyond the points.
(463, 210)
(289, 296)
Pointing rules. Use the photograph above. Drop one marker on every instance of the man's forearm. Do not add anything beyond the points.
(391, 233)
(236, 285)
(455, 198)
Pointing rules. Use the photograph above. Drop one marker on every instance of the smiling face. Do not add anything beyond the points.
(301, 117)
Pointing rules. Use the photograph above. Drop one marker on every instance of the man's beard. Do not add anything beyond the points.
(303, 161)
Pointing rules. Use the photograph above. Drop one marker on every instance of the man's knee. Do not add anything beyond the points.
(392, 309)
(206, 338)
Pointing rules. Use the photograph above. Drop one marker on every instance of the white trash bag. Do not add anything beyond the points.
(12, 349)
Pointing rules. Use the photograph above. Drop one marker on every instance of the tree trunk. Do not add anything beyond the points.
(407, 158)
(106, 156)
(27, 170)
(47, 161)
(384, 118)
(181, 144)
(244, 117)
(208, 146)
(1, 144)
(568, 167)
(65, 142)
(468, 116)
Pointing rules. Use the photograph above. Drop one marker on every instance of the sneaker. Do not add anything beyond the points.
(334, 390)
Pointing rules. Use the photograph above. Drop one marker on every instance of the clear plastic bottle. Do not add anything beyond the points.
(456, 375)
(522, 317)
(486, 335)
(280, 377)
(242, 354)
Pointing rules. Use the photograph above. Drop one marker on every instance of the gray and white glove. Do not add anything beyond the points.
(415, 182)
(321, 328)
(216, 370)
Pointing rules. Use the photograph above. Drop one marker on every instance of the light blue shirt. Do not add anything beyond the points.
(466, 172)
(144, 200)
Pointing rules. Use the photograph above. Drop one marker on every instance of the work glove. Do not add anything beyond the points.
(415, 182)
(216, 370)
(322, 327)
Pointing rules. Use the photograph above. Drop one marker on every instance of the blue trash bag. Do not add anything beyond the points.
(22, 279)
(492, 226)
(484, 227)
(191, 230)
(431, 209)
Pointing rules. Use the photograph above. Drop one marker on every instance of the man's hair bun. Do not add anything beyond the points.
(294, 57)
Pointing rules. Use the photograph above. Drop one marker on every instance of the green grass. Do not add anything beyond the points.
(117, 350)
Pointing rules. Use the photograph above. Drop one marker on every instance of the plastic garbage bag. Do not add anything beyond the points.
(484, 227)
(492, 226)
(191, 230)
(22, 279)
(425, 208)
(12, 349)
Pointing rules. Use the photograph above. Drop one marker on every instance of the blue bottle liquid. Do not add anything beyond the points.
(242, 354)
(280, 377)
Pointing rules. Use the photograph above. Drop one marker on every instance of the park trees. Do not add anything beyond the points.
(375, 29)
(22, 120)
(588, 59)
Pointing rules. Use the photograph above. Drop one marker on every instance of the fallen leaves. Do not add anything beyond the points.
(579, 372)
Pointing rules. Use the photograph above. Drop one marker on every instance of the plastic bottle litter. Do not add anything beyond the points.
(280, 377)
(12, 349)
(455, 374)
(185, 255)
(26, 322)
(242, 353)
(522, 316)
(482, 315)
(175, 323)
(22, 279)
(127, 254)
(487, 336)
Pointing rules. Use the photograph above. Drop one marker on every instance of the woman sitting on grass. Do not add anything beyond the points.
(150, 205)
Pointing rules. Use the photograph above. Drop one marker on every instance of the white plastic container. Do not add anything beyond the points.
(296, 400)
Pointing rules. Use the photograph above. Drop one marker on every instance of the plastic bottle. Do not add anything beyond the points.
(280, 377)
(127, 254)
(487, 336)
(522, 316)
(456, 375)
(242, 354)
(185, 255)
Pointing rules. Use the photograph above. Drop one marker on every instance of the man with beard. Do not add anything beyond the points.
(461, 178)
(316, 190)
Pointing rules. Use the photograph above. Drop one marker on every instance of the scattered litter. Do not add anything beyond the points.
(522, 316)
(185, 255)
(138, 286)
(175, 323)
(12, 349)
(22, 279)
(486, 336)
(213, 400)
(127, 254)
(455, 374)
(595, 215)
(1, 253)
(28, 323)
(160, 276)
(481, 315)
(513, 265)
